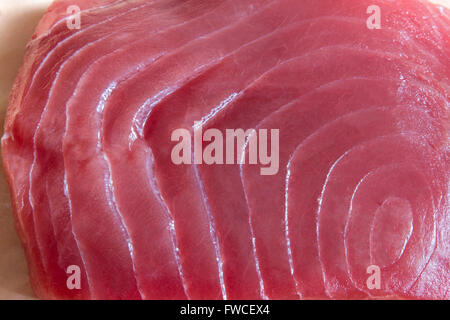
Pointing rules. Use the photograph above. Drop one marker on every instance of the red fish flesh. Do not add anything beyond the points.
(355, 204)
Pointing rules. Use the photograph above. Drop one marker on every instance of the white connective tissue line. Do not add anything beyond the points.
(214, 111)
(172, 228)
(286, 231)
(113, 204)
(110, 184)
(252, 232)
(172, 231)
(319, 208)
(212, 231)
(105, 95)
(144, 111)
(66, 193)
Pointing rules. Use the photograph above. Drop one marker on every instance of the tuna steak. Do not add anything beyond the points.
(348, 198)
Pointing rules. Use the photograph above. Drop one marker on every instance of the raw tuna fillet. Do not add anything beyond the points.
(349, 199)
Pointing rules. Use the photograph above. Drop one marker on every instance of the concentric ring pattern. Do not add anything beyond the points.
(363, 179)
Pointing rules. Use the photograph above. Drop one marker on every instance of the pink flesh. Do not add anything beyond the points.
(363, 176)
